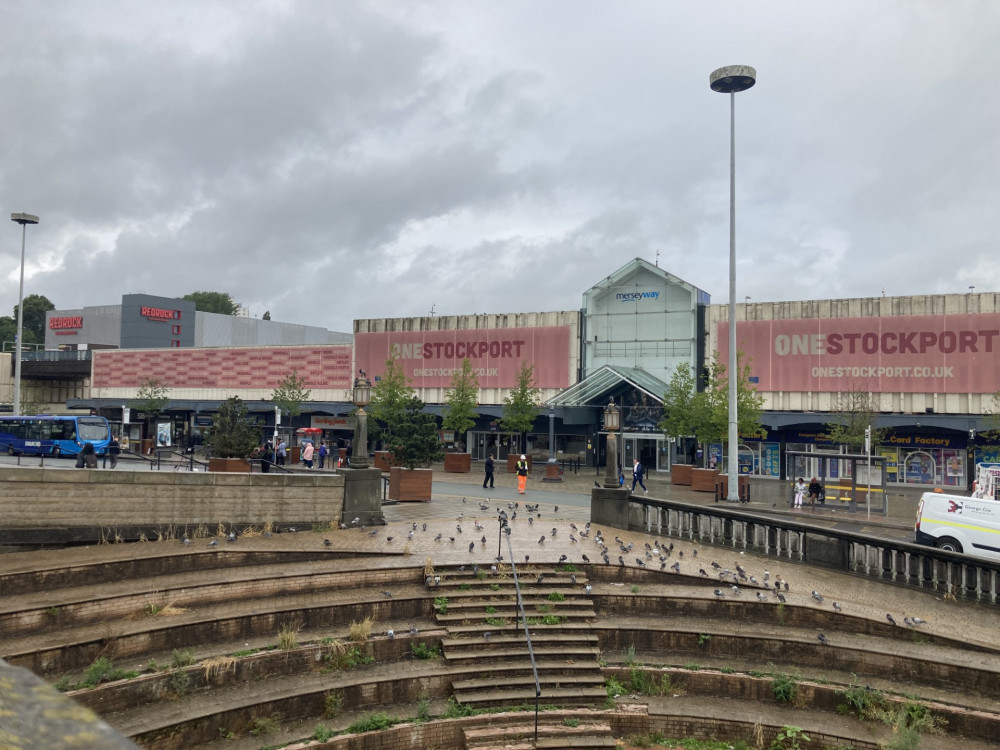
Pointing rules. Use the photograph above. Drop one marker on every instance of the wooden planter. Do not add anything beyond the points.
(458, 463)
(723, 480)
(383, 460)
(512, 463)
(681, 474)
(703, 480)
(410, 485)
(238, 465)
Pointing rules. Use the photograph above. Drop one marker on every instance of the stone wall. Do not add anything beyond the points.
(59, 505)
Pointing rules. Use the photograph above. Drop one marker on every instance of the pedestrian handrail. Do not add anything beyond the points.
(903, 563)
(505, 532)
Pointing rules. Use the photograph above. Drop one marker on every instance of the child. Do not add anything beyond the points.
(800, 492)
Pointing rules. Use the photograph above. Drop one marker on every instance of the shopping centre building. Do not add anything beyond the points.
(930, 361)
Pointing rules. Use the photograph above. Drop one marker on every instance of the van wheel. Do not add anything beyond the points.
(948, 544)
(11, 451)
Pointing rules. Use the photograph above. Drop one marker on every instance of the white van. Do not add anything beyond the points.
(959, 524)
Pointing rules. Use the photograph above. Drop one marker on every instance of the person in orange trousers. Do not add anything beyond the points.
(522, 474)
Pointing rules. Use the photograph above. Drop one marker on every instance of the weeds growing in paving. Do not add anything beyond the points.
(441, 604)
(423, 651)
(556, 596)
(790, 738)
(360, 631)
(265, 725)
(214, 668)
(288, 636)
(645, 682)
(784, 687)
(182, 658)
(340, 655)
(629, 656)
(373, 723)
(333, 704)
(571, 723)
(423, 707)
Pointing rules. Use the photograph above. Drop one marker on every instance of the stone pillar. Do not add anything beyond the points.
(362, 495)
(609, 507)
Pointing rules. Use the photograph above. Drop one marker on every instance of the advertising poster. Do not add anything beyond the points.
(163, 434)
(770, 463)
(891, 456)
(954, 463)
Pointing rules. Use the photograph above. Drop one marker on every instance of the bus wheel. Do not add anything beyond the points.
(11, 451)
(56, 451)
(948, 544)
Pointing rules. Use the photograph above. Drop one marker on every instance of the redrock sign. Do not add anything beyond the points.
(158, 313)
(56, 324)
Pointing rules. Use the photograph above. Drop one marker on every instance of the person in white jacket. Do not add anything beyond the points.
(800, 492)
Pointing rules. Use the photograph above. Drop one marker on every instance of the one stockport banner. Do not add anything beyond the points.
(902, 354)
(430, 358)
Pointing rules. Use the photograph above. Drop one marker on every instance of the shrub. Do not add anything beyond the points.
(333, 704)
(265, 725)
(557, 596)
(457, 710)
(182, 658)
(423, 707)
(783, 687)
(423, 651)
(372, 723)
(441, 604)
(322, 734)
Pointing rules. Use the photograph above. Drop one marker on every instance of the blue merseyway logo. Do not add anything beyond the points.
(636, 296)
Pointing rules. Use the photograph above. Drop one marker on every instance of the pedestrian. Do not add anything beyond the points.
(86, 458)
(281, 452)
(637, 472)
(322, 453)
(489, 473)
(800, 493)
(522, 474)
(815, 492)
(114, 448)
(307, 455)
(347, 452)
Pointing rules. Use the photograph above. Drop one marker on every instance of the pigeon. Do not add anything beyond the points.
(891, 619)
(214, 543)
(907, 621)
(767, 575)
(373, 532)
(487, 635)
(414, 525)
(438, 538)
(389, 538)
(472, 546)
(451, 539)
(531, 521)
(387, 594)
(701, 571)
(356, 521)
(736, 590)
(585, 558)
(409, 535)
(838, 607)
(719, 594)
(781, 598)
(342, 526)
(413, 630)
(463, 500)
(817, 596)
(597, 484)
(822, 639)
(437, 580)
(540, 578)
(786, 585)
(327, 542)
(483, 540)
(621, 561)
(919, 621)
(716, 565)
(676, 567)
(231, 537)
(423, 527)
(459, 527)
(761, 597)
(562, 558)
(526, 558)
(390, 634)
(541, 539)
(185, 540)
(639, 562)
(555, 509)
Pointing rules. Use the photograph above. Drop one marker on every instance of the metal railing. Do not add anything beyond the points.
(903, 563)
(505, 532)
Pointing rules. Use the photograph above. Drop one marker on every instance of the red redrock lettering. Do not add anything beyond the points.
(65, 322)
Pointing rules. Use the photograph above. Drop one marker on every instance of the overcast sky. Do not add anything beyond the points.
(334, 160)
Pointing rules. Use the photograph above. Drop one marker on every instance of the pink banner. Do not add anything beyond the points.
(905, 354)
(429, 358)
(252, 367)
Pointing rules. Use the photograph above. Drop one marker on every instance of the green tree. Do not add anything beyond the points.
(232, 434)
(151, 397)
(290, 394)
(991, 418)
(8, 332)
(460, 413)
(414, 442)
(677, 403)
(35, 307)
(213, 302)
(389, 398)
(521, 406)
(853, 412)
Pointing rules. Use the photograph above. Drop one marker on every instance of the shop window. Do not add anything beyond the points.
(176, 330)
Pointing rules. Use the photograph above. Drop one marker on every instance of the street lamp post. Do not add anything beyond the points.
(22, 219)
(611, 423)
(362, 397)
(731, 80)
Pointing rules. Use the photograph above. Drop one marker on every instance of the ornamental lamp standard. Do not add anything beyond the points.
(22, 219)
(612, 422)
(731, 80)
(362, 397)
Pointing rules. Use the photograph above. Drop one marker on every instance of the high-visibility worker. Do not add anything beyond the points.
(522, 473)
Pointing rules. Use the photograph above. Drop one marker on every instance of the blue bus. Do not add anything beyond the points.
(53, 436)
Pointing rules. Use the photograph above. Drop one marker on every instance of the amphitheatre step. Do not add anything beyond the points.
(582, 696)
(579, 630)
(466, 618)
(591, 669)
(508, 653)
(522, 735)
(577, 741)
(547, 677)
(476, 642)
(536, 603)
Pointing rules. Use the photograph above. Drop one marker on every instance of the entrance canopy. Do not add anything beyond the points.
(591, 391)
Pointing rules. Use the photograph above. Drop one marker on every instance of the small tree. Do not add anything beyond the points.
(151, 398)
(389, 398)
(460, 414)
(213, 302)
(854, 411)
(290, 394)
(521, 407)
(232, 434)
(677, 403)
(414, 440)
(991, 420)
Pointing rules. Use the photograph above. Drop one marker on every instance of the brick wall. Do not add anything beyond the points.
(51, 505)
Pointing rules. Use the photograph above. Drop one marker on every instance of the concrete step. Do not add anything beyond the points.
(506, 654)
(516, 696)
(522, 668)
(469, 617)
(579, 630)
(545, 678)
(523, 734)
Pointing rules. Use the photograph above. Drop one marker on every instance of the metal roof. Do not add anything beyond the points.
(591, 389)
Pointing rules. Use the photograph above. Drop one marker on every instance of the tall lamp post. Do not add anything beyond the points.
(362, 397)
(731, 80)
(23, 220)
(611, 423)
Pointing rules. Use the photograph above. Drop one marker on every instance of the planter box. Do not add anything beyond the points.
(681, 474)
(458, 463)
(238, 465)
(512, 463)
(410, 485)
(383, 460)
(723, 482)
(703, 480)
